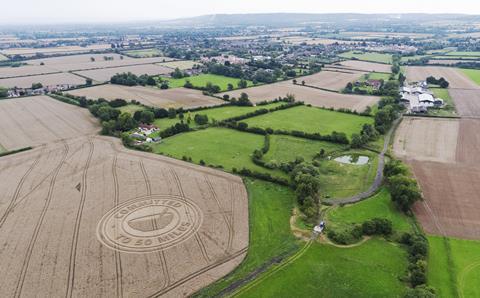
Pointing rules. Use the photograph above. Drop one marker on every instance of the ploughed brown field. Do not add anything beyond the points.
(443, 154)
(315, 97)
(171, 98)
(364, 66)
(46, 80)
(84, 62)
(104, 74)
(38, 120)
(334, 80)
(85, 217)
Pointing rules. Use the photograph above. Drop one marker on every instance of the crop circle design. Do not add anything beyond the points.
(149, 223)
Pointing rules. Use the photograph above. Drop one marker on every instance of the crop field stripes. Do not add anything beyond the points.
(160, 254)
(231, 232)
(76, 231)
(26, 261)
(197, 237)
(199, 272)
(116, 200)
(19, 188)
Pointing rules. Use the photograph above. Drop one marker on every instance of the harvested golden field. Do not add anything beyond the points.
(312, 41)
(46, 80)
(10, 72)
(171, 98)
(31, 121)
(84, 62)
(334, 80)
(185, 64)
(427, 139)
(445, 61)
(315, 97)
(455, 77)
(104, 74)
(364, 66)
(54, 50)
(96, 220)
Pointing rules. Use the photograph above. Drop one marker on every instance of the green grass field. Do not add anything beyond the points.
(131, 108)
(202, 80)
(144, 53)
(469, 54)
(218, 114)
(449, 109)
(454, 267)
(287, 148)
(311, 120)
(372, 269)
(379, 205)
(216, 146)
(270, 208)
(473, 74)
(369, 56)
(413, 58)
(339, 180)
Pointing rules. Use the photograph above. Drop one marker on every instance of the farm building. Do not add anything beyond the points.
(418, 99)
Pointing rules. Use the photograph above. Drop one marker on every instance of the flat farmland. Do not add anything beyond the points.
(315, 97)
(9, 72)
(451, 198)
(427, 139)
(202, 80)
(185, 64)
(467, 101)
(45, 80)
(443, 154)
(171, 98)
(84, 62)
(365, 66)
(313, 41)
(368, 56)
(3, 58)
(456, 78)
(97, 220)
(104, 74)
(38, 120)
(54, 50)
(332, 80)
(311, 120)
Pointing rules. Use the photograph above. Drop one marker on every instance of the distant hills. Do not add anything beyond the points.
(302, 19)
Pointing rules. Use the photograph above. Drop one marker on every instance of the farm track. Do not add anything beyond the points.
(199, 272)
(19, 188)
(116, 201)
(160, 254)
(26, 261)
(197, 237)
(231, 233)
(78, 219)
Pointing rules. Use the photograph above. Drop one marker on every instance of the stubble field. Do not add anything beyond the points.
(171, 98)
(97, 220)
(41, 119)
(46, 80)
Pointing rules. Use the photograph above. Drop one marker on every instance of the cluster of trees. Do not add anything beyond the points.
(3, 92)
(178, 74)
(388, 110)
(304, 179)
(130, 79)
(368, 133)
(262, 176)
(403, 189)
(144, 116)
(417, 248)
(175, 129)
(112, 119)
(375, 226)
(441, 82)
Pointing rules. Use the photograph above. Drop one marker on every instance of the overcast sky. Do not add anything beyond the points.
(54, 11)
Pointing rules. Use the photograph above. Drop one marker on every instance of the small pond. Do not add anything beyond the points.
(353, 159)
